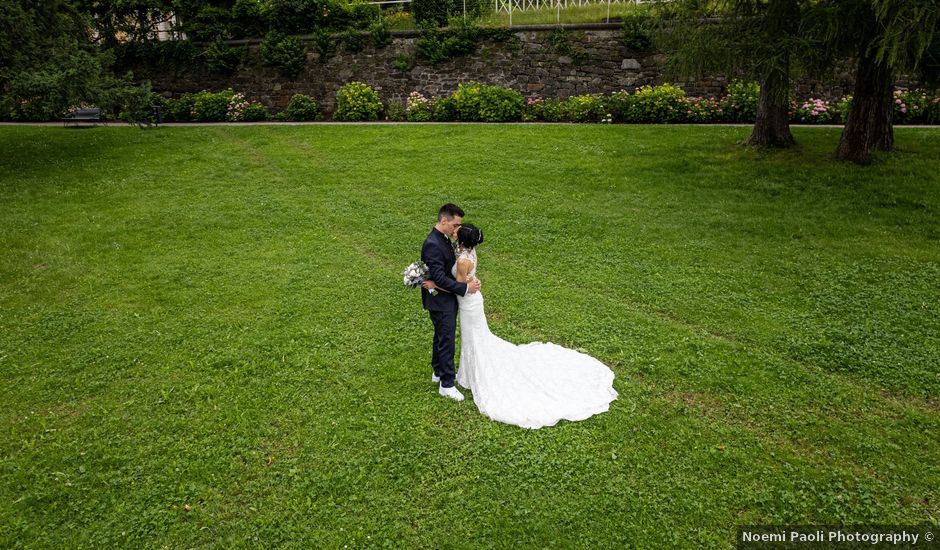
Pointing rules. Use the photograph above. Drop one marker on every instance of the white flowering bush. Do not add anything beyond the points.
(418, 107)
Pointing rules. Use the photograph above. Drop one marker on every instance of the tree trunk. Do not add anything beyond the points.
(772, 126)
(869, 122)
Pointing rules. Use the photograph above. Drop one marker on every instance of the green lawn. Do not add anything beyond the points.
(212, 318)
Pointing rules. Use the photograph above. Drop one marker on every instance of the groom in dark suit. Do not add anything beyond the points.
(438, 254)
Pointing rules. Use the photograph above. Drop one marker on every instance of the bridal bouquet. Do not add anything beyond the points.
(415, 274)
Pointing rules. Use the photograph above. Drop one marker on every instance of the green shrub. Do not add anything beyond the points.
(740, 104)
(211, 106)
(305, 16)
(441, 13)
(248, 19)
(547, 110)
(554, 110)
(362, 14)
(379, 34)
(443, 109)
(467, 101)
(843, 106)
(302, 108)
(637, 33)
(209, 23)
(396, 112)
(560, 40)
(659, 105)
(180, 109)
(285, 53)
(357, 101)
(586, 108)
(703, 109)
(354, 41)
(255, 112)
(477, 102)
(324, 45)
(498, 104)
(219, 57)
(403, 62)
(439, 45)
(618, 105)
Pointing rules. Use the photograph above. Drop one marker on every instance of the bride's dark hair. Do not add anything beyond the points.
(469, 235)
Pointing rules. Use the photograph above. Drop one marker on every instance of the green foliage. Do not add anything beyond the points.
(308, 16)
(441, 13)
(221, 58)
(255, 112)
(498, 104)
(704, 110)
(380, 35)
(357, 101)
(362, 14)
(302, 108)
(179, 109)
(618, 104)
(294, 16)
(638, 32)
(444, 109)
(560, 41)
(174, 54)
(586, 108)
(133, 103)
(475, 102)
(396, 112)
(285, 53)
(740, 104)
(248, 19)
(209, 24)
(403, 62)
(354, 41)
(539, 109)
(211, 106)
(440, 45)
(48, 64)
(324, 45)
(660, 104)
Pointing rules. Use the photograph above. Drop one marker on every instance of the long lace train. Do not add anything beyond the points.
(531, 385)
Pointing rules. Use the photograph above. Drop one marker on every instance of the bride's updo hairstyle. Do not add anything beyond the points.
(469, 235)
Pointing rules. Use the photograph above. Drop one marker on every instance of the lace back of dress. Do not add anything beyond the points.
(470, 255)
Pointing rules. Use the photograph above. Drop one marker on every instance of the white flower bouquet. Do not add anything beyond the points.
(415, 274)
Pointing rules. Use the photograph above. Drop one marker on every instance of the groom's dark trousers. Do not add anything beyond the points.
(438, 254)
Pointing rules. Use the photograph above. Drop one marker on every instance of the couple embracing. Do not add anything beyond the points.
(532, 385)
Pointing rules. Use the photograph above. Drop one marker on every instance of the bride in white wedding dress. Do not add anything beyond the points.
(531, 385)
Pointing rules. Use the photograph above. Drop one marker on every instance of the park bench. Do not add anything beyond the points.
(83, 115)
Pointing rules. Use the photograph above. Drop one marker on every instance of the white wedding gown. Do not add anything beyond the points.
(531, 385)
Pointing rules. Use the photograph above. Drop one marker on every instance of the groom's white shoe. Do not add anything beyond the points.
(435, 378)
(450, 392)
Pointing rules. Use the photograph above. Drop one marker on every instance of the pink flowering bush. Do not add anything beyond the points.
(915, 107)
(703, 109)
(814, 111)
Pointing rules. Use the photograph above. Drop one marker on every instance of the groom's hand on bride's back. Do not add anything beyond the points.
(473, 286)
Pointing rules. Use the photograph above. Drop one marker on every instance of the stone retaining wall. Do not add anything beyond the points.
(528, 62)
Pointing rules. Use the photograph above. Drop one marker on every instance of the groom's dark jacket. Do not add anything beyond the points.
(438, 254)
